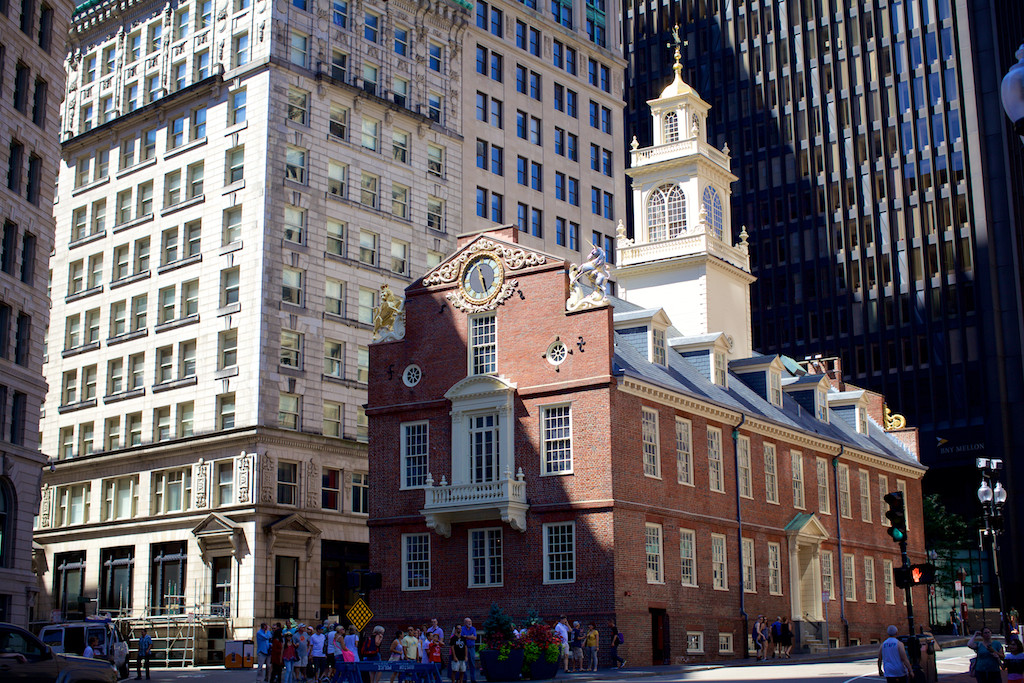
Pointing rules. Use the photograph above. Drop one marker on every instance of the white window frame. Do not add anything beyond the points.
(420, 584)
(694, 642)
(552, 438)
(651, 442)
(688, 557)
(796, 460)
(716, 464)
(654, 551)
(719, 563)
(749, 567)
(479, 345)
(547, 531)
(774, 569)
(888, 583)
(771, 474)
(845, 503)
(746, 473)
(824, 499)
(413, 429)
(684, 451)
(725, 643)
(865, 495)
(828, 577)
(883, 488)
(850, 577)
(490, 580)
(869, 579)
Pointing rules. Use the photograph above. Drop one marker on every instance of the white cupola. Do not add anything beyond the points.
(682, 257)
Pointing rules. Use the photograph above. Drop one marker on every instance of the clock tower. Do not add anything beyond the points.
(682, 257)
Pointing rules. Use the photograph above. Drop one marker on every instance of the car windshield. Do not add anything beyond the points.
(52, 637)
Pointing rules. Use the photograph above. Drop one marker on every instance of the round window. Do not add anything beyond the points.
(412, 375)
(557, 353)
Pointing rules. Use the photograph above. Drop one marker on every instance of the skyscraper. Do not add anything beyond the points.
(239, 181)
(31, 79)
(879, 187)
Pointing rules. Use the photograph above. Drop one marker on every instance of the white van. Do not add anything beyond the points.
(72, 637)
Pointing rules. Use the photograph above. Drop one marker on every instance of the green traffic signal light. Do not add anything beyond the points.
(897, 516)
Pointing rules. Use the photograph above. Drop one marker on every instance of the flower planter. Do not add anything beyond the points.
(542, 670)
(506, 670)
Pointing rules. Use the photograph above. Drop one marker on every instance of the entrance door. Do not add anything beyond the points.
(660, 653)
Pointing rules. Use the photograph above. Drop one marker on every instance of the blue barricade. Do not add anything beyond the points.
(407, 671)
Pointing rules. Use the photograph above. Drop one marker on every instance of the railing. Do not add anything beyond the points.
(673, 150)
(697, 242)
(461, 495)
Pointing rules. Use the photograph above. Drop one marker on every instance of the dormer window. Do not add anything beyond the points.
(713, 209)
(821, 404)
(482, 345)
(775, 387)
(666, 213)
(671, 127)
(658, 347)
(862, 420)
(719, 369)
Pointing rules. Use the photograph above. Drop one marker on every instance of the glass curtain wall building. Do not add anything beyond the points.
(878, 183)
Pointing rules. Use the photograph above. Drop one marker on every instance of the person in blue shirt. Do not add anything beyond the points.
(990, 656)
(263, 652)
(469, 635)
(145, 652)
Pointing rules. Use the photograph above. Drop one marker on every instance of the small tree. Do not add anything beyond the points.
(946, 533)
(498, 630)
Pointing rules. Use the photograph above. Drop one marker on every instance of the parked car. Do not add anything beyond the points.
(71, 638)
(23, 657)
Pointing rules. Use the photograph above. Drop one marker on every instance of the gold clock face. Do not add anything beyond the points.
(482, 278)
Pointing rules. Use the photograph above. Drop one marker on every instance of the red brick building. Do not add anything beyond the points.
(546, 447)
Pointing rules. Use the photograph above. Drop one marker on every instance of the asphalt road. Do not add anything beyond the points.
(952, 668)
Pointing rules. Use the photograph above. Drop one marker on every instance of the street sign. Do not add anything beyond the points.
(824, 596)
(958, 586)
(359, 614)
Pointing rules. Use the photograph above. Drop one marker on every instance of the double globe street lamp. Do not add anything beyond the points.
(992, 496)
(1012, 93)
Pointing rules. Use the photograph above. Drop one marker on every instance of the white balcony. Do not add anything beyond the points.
(503, 499)
(693, 243)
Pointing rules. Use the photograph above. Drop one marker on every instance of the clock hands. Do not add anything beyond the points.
(480, 278)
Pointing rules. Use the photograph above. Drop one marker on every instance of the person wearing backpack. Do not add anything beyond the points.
(776, 638)
(617, 639)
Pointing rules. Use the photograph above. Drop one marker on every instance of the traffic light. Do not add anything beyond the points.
(897, 516)
(901, 576)
(363, 580)
(913, 575)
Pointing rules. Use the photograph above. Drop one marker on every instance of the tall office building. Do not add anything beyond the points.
(238, 183)
(31, 79)
(879, 185)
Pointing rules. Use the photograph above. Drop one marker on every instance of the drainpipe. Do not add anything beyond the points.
(739, 532)
(839, 543)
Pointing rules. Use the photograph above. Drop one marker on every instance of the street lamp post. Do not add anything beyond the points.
(992, 496)
(1012, 93)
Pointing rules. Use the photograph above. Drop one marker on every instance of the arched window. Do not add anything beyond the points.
(666, 213)
(8, 513)
(671, 129)
(713, 209)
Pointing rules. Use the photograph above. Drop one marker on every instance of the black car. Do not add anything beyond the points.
(24, 658)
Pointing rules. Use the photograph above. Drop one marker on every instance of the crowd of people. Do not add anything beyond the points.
(298, 653)
(773, 640)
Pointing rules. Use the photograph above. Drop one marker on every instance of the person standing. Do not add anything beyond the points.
(145, 652)
(562, 629)
(954, 620)
(411, 645)
(458, 655)
(893, 663)
(617, 640)
(469, 635)
(591, 645)
(787, 638)
(776, 638)
(576, 642)
(990, 656)
(760, 639)
(318, 655)
(263, 652)
(276, 654)
(1014, 660)
(352, 641)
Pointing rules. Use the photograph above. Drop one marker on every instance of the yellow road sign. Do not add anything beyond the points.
(360, 614)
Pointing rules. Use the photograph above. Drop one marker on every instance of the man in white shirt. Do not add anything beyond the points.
(562, 629)
(893, 663)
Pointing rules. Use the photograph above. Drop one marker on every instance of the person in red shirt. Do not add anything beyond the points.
(434, 651)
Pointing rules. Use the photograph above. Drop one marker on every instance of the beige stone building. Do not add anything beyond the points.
(239, 179)
(31, 81)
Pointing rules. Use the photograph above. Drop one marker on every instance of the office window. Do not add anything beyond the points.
(287, 483)
(435, 160)
(298, 106)
(400, 201)
(172, 491)
(339, 13)
(435, 214)
(334, 297)
(399, 257)
(295, 164)
(367, 305)
(298, 49)
(336, 238)
(368, 242)
(294, 224)
(226, 411)
(435, 56)
(224, 489)
(291, 286)
(337, 179)
(227, 349)
(333, 423)
(371, 27)
(291, 349)
(334, 358)
(229, 286)
(289, 412)
(240, 49)
(360, 492)
(559, 552)
(236, 110)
